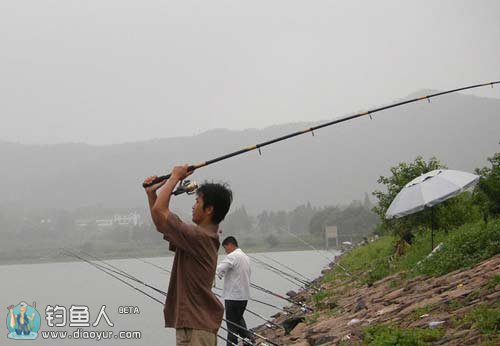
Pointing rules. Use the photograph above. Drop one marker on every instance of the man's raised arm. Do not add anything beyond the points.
(159, 205)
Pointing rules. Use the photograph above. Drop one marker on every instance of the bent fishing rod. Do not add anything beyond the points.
(312, 129)
(118, 271)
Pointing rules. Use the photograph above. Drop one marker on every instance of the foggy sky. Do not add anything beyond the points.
(113, 71)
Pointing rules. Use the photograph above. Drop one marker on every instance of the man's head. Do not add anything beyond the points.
(22, 307)
(230, 244)
(212, 203)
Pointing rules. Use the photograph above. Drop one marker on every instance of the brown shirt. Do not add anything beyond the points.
(190, 302)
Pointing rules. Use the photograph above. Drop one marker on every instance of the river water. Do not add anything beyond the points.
(57, 287)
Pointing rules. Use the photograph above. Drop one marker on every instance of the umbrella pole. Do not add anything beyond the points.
(432, 228)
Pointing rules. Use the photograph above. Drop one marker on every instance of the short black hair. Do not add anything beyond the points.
(230, 240)
(218, 196)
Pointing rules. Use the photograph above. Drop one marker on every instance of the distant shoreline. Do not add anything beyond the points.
(124, 254)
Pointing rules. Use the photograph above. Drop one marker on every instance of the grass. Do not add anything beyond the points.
(374, 256)
(485, 318)
(493, 282)
(462, 248)
(421, 311)
(387, 335)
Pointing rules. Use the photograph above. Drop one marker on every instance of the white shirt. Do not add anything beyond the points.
(235, 269)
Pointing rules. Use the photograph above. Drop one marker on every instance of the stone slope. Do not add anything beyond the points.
(417, 303)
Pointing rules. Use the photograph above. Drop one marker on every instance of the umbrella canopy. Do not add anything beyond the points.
(428, 190)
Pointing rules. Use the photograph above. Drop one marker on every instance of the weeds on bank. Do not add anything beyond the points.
(387, 335)
(461, 248)
(485, 318)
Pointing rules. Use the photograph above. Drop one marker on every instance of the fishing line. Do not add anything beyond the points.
(329, 260)
(219, 289)
(293, 279)
(119, 271)
(287, 267)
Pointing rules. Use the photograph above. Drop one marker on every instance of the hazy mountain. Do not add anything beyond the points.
(337, 165)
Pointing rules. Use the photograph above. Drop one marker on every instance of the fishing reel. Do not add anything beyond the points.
(186, 186)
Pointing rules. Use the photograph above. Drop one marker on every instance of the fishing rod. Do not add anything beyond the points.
(303, 306)
(287, 276)
(121, 272)
(217, 288)
(287, 267)
(153, 264)
(130, 277)
(102, 268)
(314, 128)
(312, 247)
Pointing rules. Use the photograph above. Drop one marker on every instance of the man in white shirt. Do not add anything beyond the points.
(235, 269)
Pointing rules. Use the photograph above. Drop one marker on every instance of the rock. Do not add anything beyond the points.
(291, 294)
(353, 322)
(299, 329)
(399, 293)
(360, 304)
(388, 309)
(301, 343)
(321, 340)
(435, 324)
(332, 305)
(291, 323)
(421, 302)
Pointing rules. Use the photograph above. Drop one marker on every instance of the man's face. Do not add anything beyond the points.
(228, 248)
(200, 213)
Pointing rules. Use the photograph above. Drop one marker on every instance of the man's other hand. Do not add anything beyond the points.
(153, 188)
(180, 172)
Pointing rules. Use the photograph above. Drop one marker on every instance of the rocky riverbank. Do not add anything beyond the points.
(460, 308)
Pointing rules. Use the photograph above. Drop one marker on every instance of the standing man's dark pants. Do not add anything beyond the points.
(234, 313)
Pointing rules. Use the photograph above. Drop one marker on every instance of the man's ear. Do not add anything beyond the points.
(209, 210)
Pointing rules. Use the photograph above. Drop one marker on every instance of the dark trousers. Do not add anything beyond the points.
(234, 314)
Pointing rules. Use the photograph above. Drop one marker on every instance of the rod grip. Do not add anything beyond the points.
(165, 177)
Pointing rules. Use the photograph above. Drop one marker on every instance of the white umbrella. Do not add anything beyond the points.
(428, 190)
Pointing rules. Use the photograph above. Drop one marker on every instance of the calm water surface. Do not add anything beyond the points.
(79, 284)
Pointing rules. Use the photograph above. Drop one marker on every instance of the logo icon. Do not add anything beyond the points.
(23, 321)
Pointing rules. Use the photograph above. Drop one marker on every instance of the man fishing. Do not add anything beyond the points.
(235, 269)
(191, 307)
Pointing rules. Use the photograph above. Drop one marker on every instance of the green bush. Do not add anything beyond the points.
(485, 318)
(466, 246)
(373, 256)
(386, 335)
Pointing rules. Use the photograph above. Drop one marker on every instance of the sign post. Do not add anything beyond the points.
(331, 232)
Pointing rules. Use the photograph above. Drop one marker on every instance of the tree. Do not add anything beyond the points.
(238, 222)
(300, 218)
(367, 203)
(402, 174)
(487, 193)
(326, 217)
(449, 214)
(353, 221)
